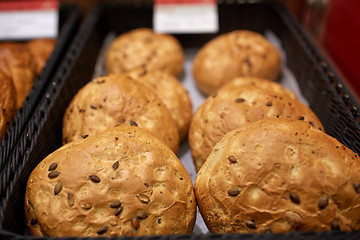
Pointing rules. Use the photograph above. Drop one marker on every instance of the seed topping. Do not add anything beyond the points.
(84, 136)
(251, 224)
(53, 166)
(135, 223)
(295, 198)
(239, 100)
(335, 225)
(269, 104)
(53, 174)
(133, 123)
(115, 165)
(232, 159)
(233, 192)
(293, 218)
(86, 206)
(71, 199)
(102, 230)
(94, 178)
(115, 204)
(142, 215)
(356, 187)
(323, 201)
(119, 210)
(57, 188)
(142, 197)
(301, 118)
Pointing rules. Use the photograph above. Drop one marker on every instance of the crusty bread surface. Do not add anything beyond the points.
(115, 100)
(18, 64)
(144, 49)
(41, 50)
(22, 62)
(279, 175)
(7, 103)
(172, 93)
(235, 54)
(237, 103)
(123, 181)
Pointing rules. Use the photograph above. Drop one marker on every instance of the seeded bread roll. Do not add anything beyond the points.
(261, 83)
(115, 100)
(235, 54)
(7, 103)
(18, 64)
(279, 175)
(41, 50)
(238, 103)
(144, 49)
(172, 93)
(123, 181)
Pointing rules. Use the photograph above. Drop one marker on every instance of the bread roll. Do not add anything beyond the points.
(143, 49)
(238, 103)
(7, 103)
(115, 100)
(41, 50)
(123, 181)
(18, 64)
(172, 93)
(279, 175)
(235, 54)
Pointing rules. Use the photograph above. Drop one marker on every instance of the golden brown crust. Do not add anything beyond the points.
(18, 64)
(144, 49)
(235, 54)
(236, 104)
(172, 93)
(41, 50)
(123, 181)
(279, 175)
(7, 103)
(112, 101)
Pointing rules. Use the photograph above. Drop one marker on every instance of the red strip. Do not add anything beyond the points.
(28, 5)
(179, 2)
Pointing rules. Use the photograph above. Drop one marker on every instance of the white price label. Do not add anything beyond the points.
(185, 16)
(29, 19)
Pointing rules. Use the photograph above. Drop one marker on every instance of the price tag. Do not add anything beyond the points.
(21, 20)
(185, 16)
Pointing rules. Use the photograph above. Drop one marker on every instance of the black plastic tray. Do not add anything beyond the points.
(320, 85)
(68, 24)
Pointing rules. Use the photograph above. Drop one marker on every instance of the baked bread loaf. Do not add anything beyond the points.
(144, 49)
(172, 93)
(115, 100)
(7, 103)
(41, 49)
(235, 54)
(238, 103)
(279, 175)
(22, 62)
(18, 64)
(123, 181)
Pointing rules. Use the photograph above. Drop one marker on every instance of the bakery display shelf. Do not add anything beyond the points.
(320, 85)
(69, 16)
